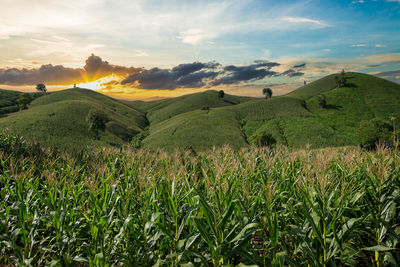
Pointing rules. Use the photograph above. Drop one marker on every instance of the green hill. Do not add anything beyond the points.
(59, 119)
(203, 120)
(8, 101)
(161, 110)
(295, 119)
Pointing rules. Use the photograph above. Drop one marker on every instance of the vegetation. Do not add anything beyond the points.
(24, 100)
(101, 207)
(267, 92)
(322, 101)
(374, 132)
(221, 94)
(59, 119)
(296, 119)
(96, 120)
(41, 88)
(263, 139)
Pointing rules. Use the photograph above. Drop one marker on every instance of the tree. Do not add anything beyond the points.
(24, 100)
(263, 139)
(221, 94)
(340, 79)
(96, 120)
(374, 131)
(322, 101)
(41, 87)
(267, 92)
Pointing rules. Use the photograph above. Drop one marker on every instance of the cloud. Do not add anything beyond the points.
(292, 73)
(46, 73)
(94, 69)
(314, 22)
(393, 76)
(181, 76)
(198, 74)
(358, 45)
(380, 45)
(300, 65)
(195, 36)
(236, 74)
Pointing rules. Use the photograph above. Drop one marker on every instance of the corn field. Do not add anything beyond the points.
(115, 207)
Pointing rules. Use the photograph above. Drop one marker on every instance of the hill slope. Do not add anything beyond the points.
(295, 119)
(59, 119)
(203, 120)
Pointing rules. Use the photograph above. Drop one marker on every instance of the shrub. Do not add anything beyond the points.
(374, 131)
(221, 94)
(322, 101)
(96, 120)
(263, 139)
(24, 100)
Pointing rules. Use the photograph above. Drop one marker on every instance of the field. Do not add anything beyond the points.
(107, 207)
(203, 120)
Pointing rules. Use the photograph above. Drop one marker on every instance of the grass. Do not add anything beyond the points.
(58, 119)
(208, 127)
(8, 101)
(160, 110)
(203, 120)
(329, 207)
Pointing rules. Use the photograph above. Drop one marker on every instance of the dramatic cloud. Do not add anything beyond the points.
(94, 69)
(292, 73)
(187, 75)
(183, 75)
(198, 74)
(235, 74)
(46, 73)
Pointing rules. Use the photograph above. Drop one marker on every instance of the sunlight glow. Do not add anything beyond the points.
(98, 84)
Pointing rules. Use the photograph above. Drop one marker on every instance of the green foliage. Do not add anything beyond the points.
(221, 94)
(24, 100)
(374, 131)
(137, 140)
(267, 92)
(322, 101)
(96, 120)
(262, 139)
(106, 207)
(41, 87)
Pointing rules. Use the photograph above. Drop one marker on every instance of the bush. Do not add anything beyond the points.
(96, 120)
(263, 139)
(137, 140)
(322, 101)
(372, 132)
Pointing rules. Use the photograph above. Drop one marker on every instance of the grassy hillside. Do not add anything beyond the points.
(8, 101)
(200, 129)
(59, 119)
(203, 120)
(161, 110)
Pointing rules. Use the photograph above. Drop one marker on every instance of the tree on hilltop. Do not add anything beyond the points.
(41, 87)
(221, 94)
(267, 92)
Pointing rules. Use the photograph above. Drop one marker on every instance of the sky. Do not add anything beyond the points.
(144, 49)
